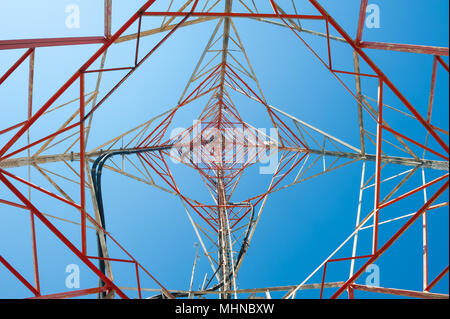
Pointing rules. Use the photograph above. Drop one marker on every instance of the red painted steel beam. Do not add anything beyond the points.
(48, 42)
(442, 62)
(58, 234)
(138, 40)
(351, 293)
(74, 77)
(6, 202)
(138, 281)
(387, 128)
(438, 278)
(137, 16)
(362, 20)
(391, 241)
(414, 191)
(18, 276)
(113, 259)
(82, 167)
(107, 22)
(73, 294)
(330, 64)
(337, 260)
(412, 48)
(234, 15)
(380, 73)
(15, 66)
(62, 199)
(432, 89)
(12, 127)
(92, 220)
(68, 128)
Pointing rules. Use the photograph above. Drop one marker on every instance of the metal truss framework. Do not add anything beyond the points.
(223, 72)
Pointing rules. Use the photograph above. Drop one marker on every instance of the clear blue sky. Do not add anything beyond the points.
(300, 226)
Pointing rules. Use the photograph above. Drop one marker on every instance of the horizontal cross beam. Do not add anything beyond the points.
(48, 42)
(44, 159)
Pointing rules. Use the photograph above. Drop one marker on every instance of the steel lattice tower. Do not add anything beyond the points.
(222, 146)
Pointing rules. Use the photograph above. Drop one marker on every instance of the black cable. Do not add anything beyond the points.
(96, 173)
